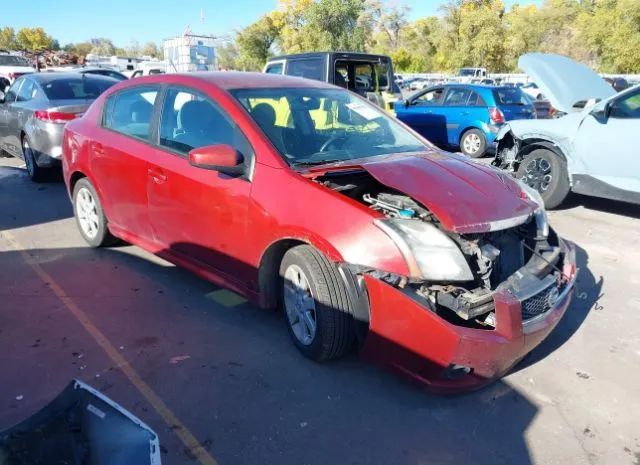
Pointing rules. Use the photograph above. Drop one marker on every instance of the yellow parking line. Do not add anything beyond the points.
(187, 438)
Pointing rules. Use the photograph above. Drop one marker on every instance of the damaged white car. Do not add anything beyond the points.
(591, 150)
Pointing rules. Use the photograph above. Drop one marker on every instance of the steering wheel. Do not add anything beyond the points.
(331, 141)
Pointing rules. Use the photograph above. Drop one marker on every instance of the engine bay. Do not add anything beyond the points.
(512, 259)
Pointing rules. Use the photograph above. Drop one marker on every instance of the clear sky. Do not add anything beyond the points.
(144, 20)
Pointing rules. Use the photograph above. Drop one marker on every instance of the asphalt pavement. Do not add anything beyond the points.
(220, 382)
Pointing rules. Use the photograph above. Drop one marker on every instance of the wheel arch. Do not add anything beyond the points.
(469, 128)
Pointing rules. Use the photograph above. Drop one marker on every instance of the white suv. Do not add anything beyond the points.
(12, 67)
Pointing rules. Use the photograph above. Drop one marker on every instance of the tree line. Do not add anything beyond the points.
(605, 34)
(36, 40)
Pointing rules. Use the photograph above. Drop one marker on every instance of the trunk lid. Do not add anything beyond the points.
(563, 81)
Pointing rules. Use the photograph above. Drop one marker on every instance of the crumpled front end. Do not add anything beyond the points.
(485, 280)
(409, 333)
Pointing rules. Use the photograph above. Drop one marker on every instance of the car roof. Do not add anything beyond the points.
(43, 78)
(356, 55)
(228, 80)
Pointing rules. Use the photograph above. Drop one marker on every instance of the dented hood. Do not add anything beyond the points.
(563, 81)
(465, 196)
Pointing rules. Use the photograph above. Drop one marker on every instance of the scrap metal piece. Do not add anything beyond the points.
(80, 427)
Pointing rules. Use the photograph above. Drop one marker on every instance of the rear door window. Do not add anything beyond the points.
(475, 100)
(456, 97)
(309, 68)
(130, 112)
(28, 91)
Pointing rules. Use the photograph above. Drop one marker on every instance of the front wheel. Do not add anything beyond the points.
(316, 304)
(547, 173)
(473, 143)
(90, 217)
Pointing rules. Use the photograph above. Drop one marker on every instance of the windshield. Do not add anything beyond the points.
(81, 88)
(12, 60)
(314, 126)
(467, 72)
(510, 96)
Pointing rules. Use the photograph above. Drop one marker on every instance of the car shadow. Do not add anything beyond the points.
(599, 204)
(25, 203)
(586, 295)
(352, 411)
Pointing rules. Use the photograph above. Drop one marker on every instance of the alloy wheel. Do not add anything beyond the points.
(472, 143)
(87, 212)
(299, 305)
(538, 174)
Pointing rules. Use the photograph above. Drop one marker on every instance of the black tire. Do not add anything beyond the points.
(546, 172)
(333, 314)
(102, 236)
(470, 151)
(36, 173)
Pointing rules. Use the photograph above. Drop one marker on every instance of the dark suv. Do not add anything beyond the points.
(368, 75)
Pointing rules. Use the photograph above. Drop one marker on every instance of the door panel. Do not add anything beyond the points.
(119, 158)
(197, 213)
(424, 114)
(608, 151)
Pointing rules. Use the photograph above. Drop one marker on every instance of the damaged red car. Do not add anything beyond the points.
(303, 196)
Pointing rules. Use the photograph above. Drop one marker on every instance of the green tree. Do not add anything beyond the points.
(151, 49)
(228, 56)
(33, 39)
(102, 47)
(337, 25)
(8, 38)
(255, 42)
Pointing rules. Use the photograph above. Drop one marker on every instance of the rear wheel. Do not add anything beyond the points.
(36, 173)
(90, 217)
(316, 304)
(473, 143)
(546, 172)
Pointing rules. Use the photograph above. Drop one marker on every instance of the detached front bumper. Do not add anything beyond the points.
(408, 337)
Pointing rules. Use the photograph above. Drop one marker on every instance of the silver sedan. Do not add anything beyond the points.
(34, 110)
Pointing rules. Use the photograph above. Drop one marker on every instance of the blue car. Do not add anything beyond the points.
(467, 116)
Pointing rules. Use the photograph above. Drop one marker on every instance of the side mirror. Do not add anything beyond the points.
(603, 113)
(220, 157)
(2, 96)
(407, 103)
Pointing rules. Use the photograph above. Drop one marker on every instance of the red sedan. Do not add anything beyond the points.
(303, 196)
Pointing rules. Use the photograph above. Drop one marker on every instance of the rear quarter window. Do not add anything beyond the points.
(309, 68)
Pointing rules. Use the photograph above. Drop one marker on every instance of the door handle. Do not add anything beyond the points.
(157, 175)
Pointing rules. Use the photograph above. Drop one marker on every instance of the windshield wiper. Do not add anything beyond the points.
(314, 162)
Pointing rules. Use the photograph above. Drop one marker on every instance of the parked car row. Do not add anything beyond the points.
(442, 268)
(34, 110)
(464, 116)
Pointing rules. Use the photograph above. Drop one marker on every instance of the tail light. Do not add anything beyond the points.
(55, 116)
(495, 115)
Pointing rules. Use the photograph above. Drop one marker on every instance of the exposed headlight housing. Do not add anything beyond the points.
(430, 254)
(542, 222)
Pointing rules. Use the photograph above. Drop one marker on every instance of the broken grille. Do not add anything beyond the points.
(539, 303)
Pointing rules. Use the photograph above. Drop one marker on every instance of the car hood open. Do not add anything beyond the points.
(465, 196)
(563, 81)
